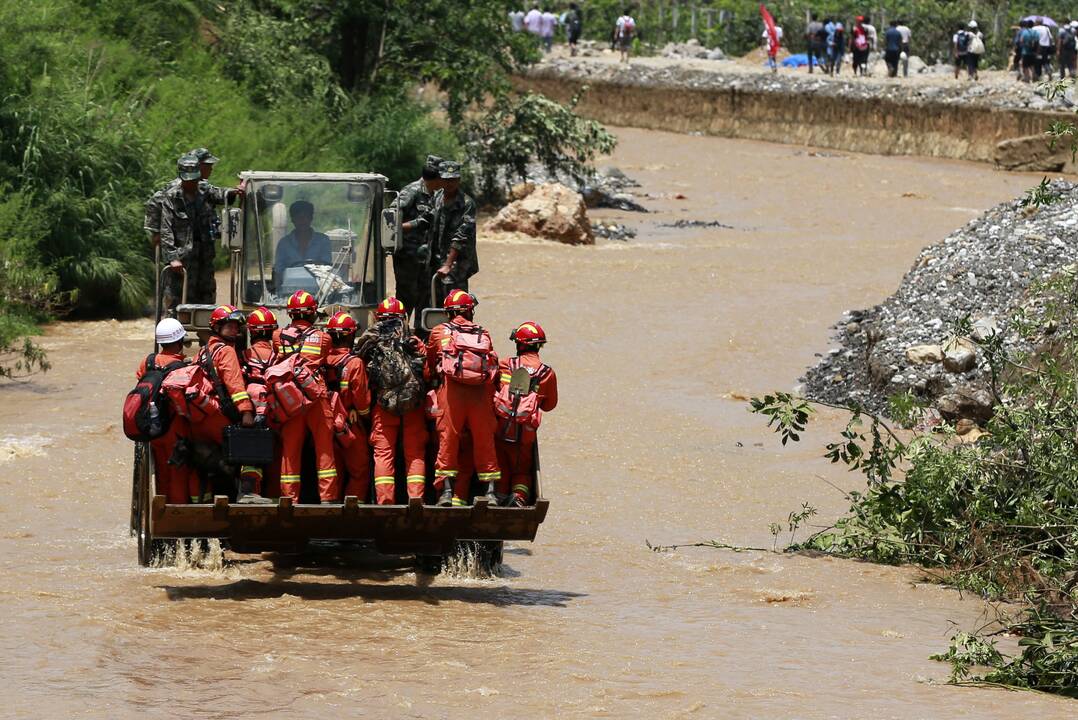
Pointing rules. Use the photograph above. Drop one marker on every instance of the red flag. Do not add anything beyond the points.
(772, 33)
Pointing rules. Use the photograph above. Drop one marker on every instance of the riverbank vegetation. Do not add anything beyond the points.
(997, 516)
(101, 96)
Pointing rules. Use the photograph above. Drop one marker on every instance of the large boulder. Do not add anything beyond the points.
(551, 211)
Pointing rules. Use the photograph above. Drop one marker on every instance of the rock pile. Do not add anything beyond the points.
(606, 188)
(982, 271)
(548, 210)
(692, 49)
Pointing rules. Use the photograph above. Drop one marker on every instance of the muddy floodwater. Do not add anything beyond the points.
(657, 342)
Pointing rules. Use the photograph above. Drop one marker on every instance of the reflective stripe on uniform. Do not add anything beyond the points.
(311, 350)
(416, 479)
(251, 470)
(445, 341)
(289, 479)
(457, 502)
(521, 489)
(194, 499)
(445, 473)
(332, 472)
(490, 476)
(241, 395)
(344, 384)
(384, 480)
(506, 377)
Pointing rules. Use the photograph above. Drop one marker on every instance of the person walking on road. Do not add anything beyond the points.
(416, 203)
(624, 32)
(574, 26)
(1068, 49)
(1028, 43)
(816, 40)
(904, 56)
(836, 50)
(548, 23)
(1045, 47)
(892, 48)
(860, 46)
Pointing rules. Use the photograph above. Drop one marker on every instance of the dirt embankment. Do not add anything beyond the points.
(995, 121)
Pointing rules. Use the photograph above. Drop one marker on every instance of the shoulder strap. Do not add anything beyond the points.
(151, 362)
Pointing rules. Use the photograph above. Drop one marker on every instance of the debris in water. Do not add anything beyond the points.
(682, 224)
(612, 231)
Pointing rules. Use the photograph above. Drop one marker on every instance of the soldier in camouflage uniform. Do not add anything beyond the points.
(416, 201)
(152, 217)
(188, 242)
(451, 235)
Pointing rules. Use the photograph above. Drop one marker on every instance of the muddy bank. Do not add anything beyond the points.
(957, 120)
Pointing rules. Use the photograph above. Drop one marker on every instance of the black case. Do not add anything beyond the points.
(248, 446)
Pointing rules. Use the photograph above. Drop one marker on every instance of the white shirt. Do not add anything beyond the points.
(547, 21)
(870, 35)
(516, 19)
(532, 21)
(905, 32)
(778, 33)
(1044, 35)
(622, 22)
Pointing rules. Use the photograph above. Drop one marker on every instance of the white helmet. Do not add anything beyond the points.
(169, 330)
(972, 24)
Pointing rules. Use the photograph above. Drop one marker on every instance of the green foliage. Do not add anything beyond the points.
(999, 516)
(531, 128)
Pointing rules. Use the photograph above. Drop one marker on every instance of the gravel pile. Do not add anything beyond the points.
(727, 76)
(982, 270)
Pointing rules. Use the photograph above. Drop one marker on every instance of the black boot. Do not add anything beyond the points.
(446, 499)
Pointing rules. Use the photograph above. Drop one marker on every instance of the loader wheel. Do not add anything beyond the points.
(428, 564)
(148, 547)
(141, 452)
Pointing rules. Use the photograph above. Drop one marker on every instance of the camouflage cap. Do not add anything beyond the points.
(187, 167)
(449, 170)
(432, 164)
(204, 155)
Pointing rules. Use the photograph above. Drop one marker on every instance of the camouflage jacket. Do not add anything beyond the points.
(415, 203)
(453, 226)
(188, 228)
(152, 217)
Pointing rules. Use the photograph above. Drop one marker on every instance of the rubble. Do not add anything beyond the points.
(981, 271)
(551, 211)
(612, 231)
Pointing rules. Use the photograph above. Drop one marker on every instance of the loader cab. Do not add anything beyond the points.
(317, 232)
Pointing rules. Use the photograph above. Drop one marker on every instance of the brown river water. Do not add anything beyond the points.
(656, 341)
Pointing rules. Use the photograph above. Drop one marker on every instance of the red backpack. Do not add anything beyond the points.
(147, 413)
(521, 409)
(292, 387)
(191, 393)
(468, 355)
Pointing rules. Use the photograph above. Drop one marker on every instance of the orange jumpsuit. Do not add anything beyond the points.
(178, 483)
(267, 480)
(317, 418)
(226, 363)
(517, 459)
(462, 406)
(355, 396)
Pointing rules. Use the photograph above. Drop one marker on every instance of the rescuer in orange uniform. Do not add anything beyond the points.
(261, 325)
(313, 346)
(387, 425)
(177, 482)
(516, 445)
(463, 404)
(346, 375)
(222, 364)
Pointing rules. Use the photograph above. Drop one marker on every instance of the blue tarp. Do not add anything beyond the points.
(799, 60)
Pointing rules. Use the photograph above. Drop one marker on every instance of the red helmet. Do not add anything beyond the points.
(302, 301)
(390, 306)
(225, 313)
(529, 333)
(341, 324)
(261, 319)
(460, 300)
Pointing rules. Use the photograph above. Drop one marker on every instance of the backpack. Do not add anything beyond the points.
(628, 27)
(962, 42)
(146, 412)
(393, 367)
(860, 40)
(1029, 40)
(522, 410)
(191, 393)
(1068, 40)
(294, 339)
(467, 355)
(976, 45)
(292, 387)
